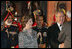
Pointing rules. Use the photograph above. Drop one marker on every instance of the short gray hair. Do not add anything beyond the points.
(60, 12)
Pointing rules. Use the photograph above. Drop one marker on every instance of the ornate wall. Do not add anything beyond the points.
(51, 6)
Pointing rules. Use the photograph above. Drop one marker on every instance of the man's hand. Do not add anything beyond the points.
(42, 45)
(61, 45)
(6, 30)
(12, 46)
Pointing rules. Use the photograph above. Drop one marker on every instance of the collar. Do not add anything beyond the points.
(58, 24)
(60, 27)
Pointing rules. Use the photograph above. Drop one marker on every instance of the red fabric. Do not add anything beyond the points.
(17, 46)
(54, 19)
(5, 26)
(6, 16)
(11, 14)
(19, 25)
(53, 23)
(34, 24)
(15, 22)
(28, 1)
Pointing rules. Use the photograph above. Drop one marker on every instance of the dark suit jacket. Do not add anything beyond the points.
(65, 35)
(53, 32)
(4, 40)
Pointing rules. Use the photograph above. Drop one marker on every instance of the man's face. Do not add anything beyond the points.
(10, 18)
(60, 17)
(40, 21)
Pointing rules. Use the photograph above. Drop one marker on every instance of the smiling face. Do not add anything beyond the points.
(26, 20)
(29, 24)
(60, 17)
(39, 21)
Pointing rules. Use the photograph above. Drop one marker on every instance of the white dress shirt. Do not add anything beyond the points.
(60, 27)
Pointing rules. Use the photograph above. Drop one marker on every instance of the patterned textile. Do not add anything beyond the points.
(28, 39)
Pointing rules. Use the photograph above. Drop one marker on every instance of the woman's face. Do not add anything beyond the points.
(40, 22)
(27, 23)
(60, 17)
(24, 23)
(8, 21)
(30, 22)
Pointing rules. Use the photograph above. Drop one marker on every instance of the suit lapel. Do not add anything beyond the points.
(57, 27)
(61, 34)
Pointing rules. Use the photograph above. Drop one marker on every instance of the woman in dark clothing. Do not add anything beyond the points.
(13, 36)
(4, 39)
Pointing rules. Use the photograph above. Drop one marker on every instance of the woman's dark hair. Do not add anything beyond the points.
(35, 5)
(25, 19)
(24, 9)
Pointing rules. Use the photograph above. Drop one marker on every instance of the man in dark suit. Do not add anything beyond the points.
(65, 34)
(4, 39)
(13, 36)
(53, 31)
